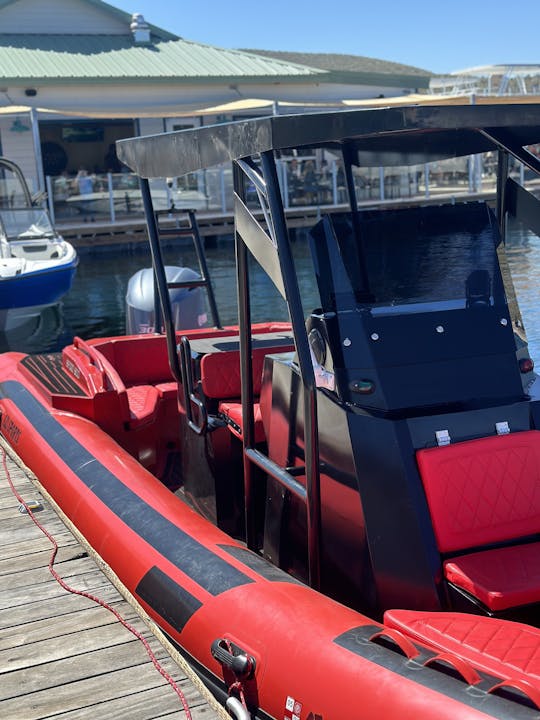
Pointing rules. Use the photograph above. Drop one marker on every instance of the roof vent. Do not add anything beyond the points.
(139, 28)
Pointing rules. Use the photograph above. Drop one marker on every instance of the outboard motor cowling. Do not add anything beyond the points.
(187, 304)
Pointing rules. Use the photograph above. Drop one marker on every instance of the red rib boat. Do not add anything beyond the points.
(336, 516)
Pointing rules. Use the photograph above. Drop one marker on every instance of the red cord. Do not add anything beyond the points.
(94, 598)
(237, 686)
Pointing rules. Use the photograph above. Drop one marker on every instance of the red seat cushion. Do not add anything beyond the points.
(500, 578)
(502, 648)
(143, 401)
(232, 411)
(483, 491)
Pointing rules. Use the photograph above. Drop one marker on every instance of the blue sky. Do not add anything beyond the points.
(432, 34)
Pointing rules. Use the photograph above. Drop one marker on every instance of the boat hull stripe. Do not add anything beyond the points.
(207, 569)
(259, 565)
(173, 602)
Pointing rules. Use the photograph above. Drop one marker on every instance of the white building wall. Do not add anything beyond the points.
(150, 126)
(59, 17)
(19, 147)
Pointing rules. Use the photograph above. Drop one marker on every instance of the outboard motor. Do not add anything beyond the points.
(187, 304)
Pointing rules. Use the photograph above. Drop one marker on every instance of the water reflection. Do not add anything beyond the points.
(33, 331)
(95, 306)
(523, 252)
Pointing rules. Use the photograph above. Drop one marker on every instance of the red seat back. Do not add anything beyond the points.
(220, 371)
(483, 491)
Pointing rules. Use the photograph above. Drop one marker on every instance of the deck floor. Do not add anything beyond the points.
(61, 655)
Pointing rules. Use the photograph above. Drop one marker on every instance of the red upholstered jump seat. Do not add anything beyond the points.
(220, 379)
(483, 493)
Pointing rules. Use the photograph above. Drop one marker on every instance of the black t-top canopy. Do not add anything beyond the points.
(387, 136)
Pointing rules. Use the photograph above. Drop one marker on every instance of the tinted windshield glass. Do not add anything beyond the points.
(444, 254)
(12, 192)
(26, 224)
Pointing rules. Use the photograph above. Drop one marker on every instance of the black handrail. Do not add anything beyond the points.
(246, 366)
(294, 303)
(160, 279)
(190, 398)
(310, 495)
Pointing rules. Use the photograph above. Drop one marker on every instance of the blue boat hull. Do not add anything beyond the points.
(43, 287)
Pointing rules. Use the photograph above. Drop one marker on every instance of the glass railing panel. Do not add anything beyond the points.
(116, 196)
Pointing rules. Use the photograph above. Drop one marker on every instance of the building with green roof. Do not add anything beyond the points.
(76, 75)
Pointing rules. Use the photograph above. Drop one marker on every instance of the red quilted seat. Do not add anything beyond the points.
(220, 372)
(508, 650)
(232, 411)
(483, 492)
(143, 402)
(501, 578)
(220, 380)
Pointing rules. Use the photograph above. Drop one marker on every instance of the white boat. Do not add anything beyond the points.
(129, 200)
(37, 265)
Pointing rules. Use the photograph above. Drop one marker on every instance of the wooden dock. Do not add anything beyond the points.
(63, 656)
(131, 230)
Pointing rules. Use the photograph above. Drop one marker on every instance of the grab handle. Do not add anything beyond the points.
(190, 399)
(398, 639)
(522, 686)
(109, 376)
(466, 671)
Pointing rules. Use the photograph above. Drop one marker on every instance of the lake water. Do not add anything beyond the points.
(95, 305)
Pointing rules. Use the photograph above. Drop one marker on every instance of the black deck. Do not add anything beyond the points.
(48, 369)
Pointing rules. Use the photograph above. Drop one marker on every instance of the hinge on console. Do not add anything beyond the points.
(502, 428)
(443, 437)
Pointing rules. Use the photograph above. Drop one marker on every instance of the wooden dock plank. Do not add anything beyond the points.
(143, 706)
(17, 563)
(69, 570)
(60, 654)
(80, 694)
(72, 621)
(55, 607)
(87, 641)
(25, 547)
(47, 589)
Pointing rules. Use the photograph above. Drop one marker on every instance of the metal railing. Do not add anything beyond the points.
(303, 181)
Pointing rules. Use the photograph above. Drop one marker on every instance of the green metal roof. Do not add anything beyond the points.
(355, 68)
(342, 61)
(113, 58)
